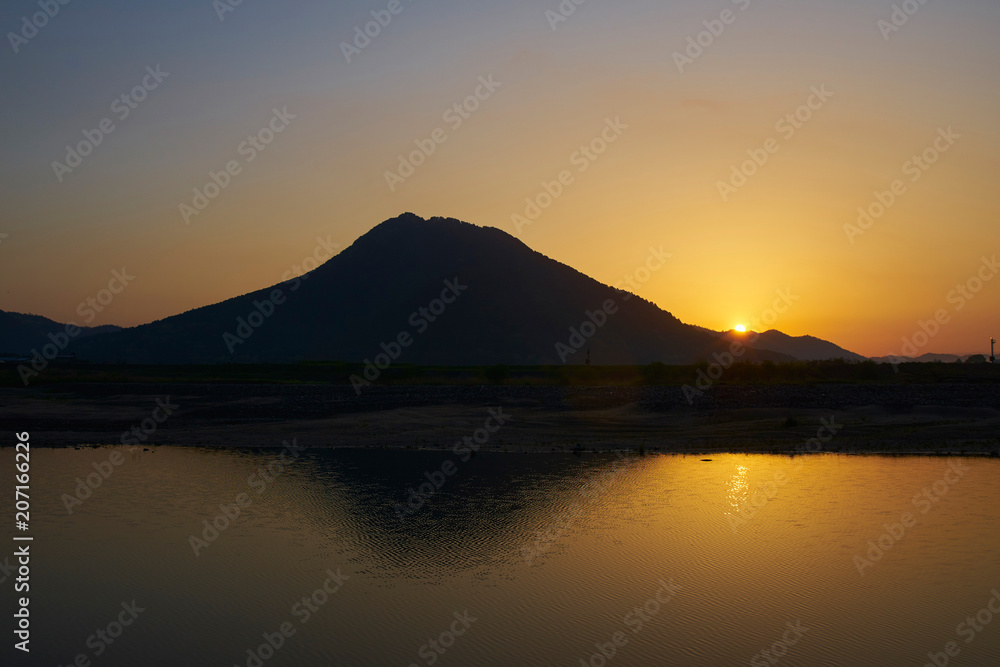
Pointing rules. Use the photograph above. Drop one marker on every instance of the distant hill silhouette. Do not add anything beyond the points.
(21, 333)
(516, 305)
(803, 348)
(930, 357)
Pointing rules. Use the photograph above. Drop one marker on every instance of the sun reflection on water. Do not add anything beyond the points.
(739, 487)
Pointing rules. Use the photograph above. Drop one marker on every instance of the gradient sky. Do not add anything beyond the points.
(656, 185)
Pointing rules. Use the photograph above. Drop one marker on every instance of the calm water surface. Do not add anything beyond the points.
(547, 559)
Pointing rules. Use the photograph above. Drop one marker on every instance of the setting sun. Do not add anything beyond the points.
(741, 328)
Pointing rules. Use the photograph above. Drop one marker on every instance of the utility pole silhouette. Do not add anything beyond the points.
(993, 341)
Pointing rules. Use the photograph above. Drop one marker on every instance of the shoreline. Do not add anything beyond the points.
(526, 450)
(920, 419)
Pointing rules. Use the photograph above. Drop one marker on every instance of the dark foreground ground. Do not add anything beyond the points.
(942, 417)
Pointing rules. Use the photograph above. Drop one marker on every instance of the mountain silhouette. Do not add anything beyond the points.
(803, 348)
(510, 305)
(20, 332)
